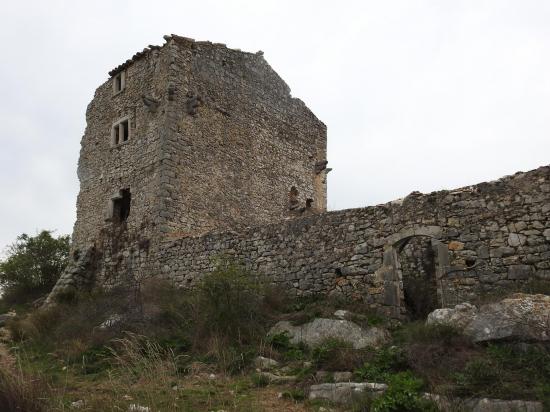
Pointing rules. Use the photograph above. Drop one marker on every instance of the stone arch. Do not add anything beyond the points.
(394, 285)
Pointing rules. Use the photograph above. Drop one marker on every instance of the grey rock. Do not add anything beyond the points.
(320, 329)
(497, 405)
(520, 317)
(519, 272)
(516, 239)
(111, 321)
(265, 363)
(459, 316)
(4, 318)
(342, 376)
(277, 379)
(342, 314)
(343, 392)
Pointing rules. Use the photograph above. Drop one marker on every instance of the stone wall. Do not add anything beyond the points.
(486, 237)
(215, 141)
(105, 168)
(238, 142)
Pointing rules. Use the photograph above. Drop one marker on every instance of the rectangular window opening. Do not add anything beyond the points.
(119, 82)
(120, 132)
(124, 131)
(121, 206)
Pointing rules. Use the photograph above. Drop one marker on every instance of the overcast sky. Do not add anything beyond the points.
(416, 95)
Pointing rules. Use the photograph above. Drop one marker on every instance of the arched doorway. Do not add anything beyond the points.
(417, 265)
(414, 266)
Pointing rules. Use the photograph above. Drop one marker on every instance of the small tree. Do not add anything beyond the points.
(32, 266)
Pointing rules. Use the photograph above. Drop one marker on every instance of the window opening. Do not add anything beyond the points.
(121, 206)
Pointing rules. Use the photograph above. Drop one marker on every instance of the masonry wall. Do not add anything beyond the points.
(239, 142)
(496, 235)
(104, 168)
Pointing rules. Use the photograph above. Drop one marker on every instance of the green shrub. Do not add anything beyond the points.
(383, 363)
(403, 395)
(280, 341)
(32, 267)
(507, 371)
(420, 332)
(259, 380)
(337, 355)
(229, 305)
(295, 394)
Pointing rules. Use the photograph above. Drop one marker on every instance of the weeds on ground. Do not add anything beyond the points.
(507, 371)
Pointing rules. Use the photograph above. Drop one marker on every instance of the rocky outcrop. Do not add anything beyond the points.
(497, 405)
(344, 392)
(263, 363)
(78, 275)
(459, 316)
(321, 329)
(6, 317)
(519, 317)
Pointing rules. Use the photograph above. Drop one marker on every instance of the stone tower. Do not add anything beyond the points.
(190, 137)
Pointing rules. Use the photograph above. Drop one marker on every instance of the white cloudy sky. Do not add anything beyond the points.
(417, 94)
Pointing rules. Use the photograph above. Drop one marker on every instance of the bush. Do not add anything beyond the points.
(508, 371)
(337, 355)
(420, 332)
(383, 363)
(403, 395)
(229, 305)
(32, 266)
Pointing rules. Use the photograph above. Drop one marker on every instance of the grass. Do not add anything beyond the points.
(191, 351)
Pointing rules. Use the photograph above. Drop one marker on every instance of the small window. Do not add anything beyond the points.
(120, 132)
(119, 82)
(121, 206)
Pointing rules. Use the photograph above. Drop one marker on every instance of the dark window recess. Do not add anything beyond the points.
(124, 131)
(121, 206)
(118, 83)
(293, 198)
(121, 132)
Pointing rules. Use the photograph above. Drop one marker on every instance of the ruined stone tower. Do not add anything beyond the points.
(193, 151)
(193, 136)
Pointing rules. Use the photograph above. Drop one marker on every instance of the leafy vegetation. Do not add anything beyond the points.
(32, 266)
(172, 349)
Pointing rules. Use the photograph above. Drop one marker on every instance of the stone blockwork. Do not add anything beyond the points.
(485, 237)
(210, 138)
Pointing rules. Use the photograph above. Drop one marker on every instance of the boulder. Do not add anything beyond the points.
(342, 376)
(459, 316)
(277, 379)
(497, 405)
(520, 317)
(342, 314)
(5, 317)
(483, 405)
(265, 363)
(320, 329)
(343, 392)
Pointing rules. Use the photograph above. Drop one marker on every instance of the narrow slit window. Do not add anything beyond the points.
(124, 131)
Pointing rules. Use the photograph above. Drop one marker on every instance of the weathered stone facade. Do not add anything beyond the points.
(217, 145)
